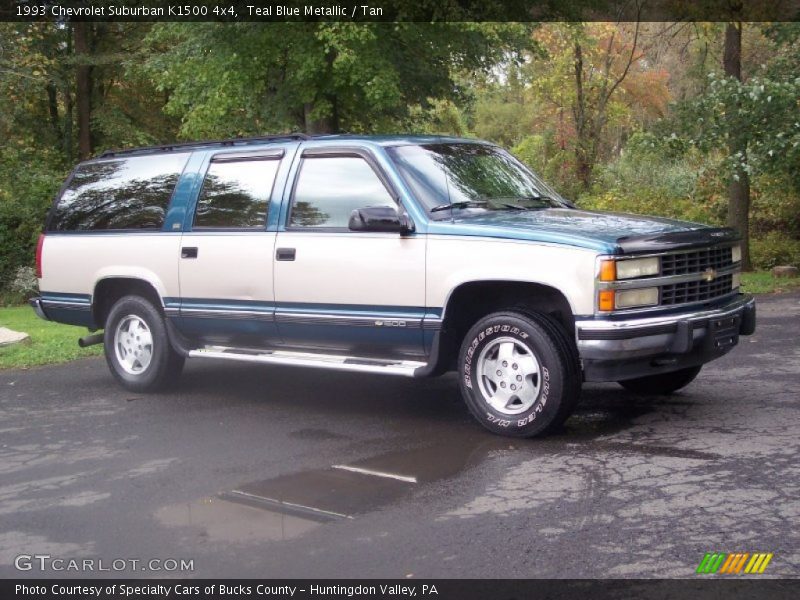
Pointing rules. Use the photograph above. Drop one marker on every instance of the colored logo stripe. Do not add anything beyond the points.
(734, 564)
(711, 562)
(758, 563)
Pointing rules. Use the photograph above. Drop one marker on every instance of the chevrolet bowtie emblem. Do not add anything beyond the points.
(709, 275)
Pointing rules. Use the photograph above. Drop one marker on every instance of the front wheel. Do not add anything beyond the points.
(519, 373)
(137, 349)
(663, 383)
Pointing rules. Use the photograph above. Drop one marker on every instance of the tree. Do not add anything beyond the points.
(739, 186)
(593, 81)
(318, 77)
(752, 120)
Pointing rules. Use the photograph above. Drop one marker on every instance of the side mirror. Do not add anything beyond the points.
(380, 219)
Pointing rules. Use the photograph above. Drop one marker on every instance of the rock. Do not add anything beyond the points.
(784, 271)
(9, 337)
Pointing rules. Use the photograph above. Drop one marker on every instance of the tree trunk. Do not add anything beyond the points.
(322, 125)
(739, 187)
(52, 107)
(68, 113)
(83, 89)
(583, 166)
(329, 123)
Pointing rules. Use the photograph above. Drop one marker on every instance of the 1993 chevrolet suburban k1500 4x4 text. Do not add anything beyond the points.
(398, 255)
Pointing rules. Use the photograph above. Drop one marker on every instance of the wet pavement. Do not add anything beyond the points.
(279, 472)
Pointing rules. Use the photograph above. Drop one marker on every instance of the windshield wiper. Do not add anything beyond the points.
(544, 202)
(554, 203)
(461, 204)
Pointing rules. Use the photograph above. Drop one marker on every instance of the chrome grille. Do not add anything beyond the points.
(696, 261)
(696, 291)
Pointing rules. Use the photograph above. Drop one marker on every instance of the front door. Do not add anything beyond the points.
(355, 293)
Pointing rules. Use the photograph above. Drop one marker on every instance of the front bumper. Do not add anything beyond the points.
(614, 350)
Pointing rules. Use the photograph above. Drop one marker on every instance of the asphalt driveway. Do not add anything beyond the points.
(271, 472)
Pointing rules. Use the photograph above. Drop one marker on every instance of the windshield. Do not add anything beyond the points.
(471, 177)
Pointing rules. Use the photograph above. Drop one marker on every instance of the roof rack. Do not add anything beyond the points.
(188, 145)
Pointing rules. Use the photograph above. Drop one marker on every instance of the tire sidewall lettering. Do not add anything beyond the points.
(541, 402)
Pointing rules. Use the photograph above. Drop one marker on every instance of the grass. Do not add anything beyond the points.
(762, 282)
(49, 343)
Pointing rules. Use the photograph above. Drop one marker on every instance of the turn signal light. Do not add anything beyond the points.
(605, 300)
(608, 271)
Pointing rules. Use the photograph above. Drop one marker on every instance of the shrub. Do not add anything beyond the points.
(28, 181)
(775, 206)
(773, 249)
(650, 202)
(25, 283)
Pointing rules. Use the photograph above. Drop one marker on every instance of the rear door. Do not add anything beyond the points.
(226, 266)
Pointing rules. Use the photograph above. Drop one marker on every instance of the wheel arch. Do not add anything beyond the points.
(470, 301)
(111, 288)
(500, 294)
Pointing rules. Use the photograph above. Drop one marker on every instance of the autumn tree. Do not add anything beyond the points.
(593, 78)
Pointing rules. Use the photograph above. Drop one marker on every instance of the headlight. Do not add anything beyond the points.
(736, 253)
(634, 298)
(736, 280)
(637, 267)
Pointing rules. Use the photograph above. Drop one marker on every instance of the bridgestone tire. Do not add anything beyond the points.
(662, 384)
(131, 323)
(529, 351)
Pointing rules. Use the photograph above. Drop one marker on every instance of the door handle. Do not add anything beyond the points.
(189, 252)
(285, 254)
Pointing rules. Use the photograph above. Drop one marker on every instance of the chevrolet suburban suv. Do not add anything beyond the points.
(398, 255)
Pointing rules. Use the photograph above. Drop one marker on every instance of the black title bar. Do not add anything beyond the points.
(271, 11)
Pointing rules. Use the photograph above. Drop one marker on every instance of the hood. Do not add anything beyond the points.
(606, 232)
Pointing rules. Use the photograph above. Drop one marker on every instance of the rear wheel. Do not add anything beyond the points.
(519, 373)
(663, 383)
(137, 349)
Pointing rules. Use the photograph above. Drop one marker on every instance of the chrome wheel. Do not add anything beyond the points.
(509, 376)
(133, 344)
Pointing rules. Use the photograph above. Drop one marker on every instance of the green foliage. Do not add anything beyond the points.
(759, 115)
(504, 114)
(441, 117)
(28, 182)
(774, 249)
(658, 176)
(245, 78)
(554, 164)
(651, 163)
(533, 151)
(775, 206)
(649, 202)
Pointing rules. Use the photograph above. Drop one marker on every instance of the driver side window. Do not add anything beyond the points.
(329, 188)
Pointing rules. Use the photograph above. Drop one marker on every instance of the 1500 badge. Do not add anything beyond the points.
(390, 323)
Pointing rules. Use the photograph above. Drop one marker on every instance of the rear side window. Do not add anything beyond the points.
(235, 194)
(126, 193)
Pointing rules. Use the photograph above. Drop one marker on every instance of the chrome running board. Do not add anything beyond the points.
(404, 368)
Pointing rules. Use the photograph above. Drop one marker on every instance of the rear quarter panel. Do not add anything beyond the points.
(75, 263)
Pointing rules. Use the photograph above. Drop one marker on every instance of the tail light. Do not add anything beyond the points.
(39, 246)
